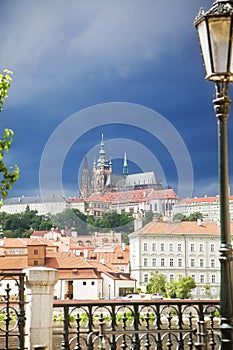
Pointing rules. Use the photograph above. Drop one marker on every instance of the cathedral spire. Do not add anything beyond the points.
(125, 166)
(102, 160)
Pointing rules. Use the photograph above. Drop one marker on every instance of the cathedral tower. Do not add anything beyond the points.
(85, 183)
(125, 167)
(101, 170)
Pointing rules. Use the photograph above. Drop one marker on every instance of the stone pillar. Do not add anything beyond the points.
(40, 283)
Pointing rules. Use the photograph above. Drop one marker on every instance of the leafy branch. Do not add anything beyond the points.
(9, 176)
(5, 79)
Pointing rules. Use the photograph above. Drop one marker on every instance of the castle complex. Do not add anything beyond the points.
(104, 181)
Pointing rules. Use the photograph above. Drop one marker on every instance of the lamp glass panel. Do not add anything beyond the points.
(203, 37)
(219, 29)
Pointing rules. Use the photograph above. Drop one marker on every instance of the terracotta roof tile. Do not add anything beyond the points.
(183, 227)
(65, 260)
(75, 200)
(80, 274)
(114, 255)
(14, 263)
(133, 196)
(202, 200)
(24, 242)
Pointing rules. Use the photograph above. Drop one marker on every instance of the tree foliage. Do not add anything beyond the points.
(180, 287)
(148, 217)
(8, 175)
(192, 217)
(119, 222)
(5, 84)
(71, 219)
(23, 224)
(156, 284)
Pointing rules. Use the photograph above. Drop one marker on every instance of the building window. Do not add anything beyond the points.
(212, 247)
(179, 247)
(201, 247)
(36, 252)
(212, 262)
(171, 278)
(154, 246)
(153, 262)
(146, 279)
(145, 262)
(36, 263)
(201, 262)
(145, 246)
(162, 262)
(84, 283)
(162, 247)
(92, 283)
(171, 247)
(202, 279)
(180, 262)
(193, 277)
(213, 279)
(171, 262)
(192, 247)
(192, 262)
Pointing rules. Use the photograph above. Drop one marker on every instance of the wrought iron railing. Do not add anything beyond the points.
(12, 312)
(136, 324)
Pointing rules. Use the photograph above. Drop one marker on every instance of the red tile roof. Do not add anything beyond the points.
(202, 200)
(60, 260)
(75, 200)
(42, 233)
(133, 196)
(13, 263)
(183, 227)
(64, 260)
(24, 242)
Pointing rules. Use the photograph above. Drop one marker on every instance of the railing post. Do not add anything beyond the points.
(201, 343)
(40, 283)
(101, 334)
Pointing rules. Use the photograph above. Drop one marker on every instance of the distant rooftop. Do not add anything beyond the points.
(33, 199)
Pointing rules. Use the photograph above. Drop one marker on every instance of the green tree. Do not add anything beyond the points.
(195, 216)
(23, 224)
(156, 284)
(179, 217)
(148, 217)
(180, 287)
(8, 177)
(71, 219)
(112, 220)
(207, 290)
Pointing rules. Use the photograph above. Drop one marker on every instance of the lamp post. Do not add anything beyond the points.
(215, 33)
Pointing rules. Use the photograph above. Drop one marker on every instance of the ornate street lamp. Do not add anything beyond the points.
(215, 32)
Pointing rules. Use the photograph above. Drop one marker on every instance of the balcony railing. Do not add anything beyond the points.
(100, 324)
(136, 324)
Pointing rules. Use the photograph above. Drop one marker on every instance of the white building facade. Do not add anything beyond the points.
(44, 206)
(208, 206)
(184, 248)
